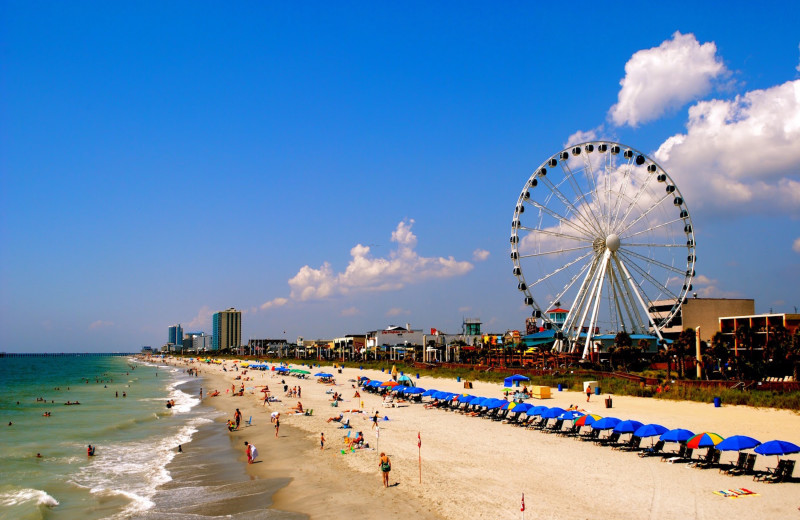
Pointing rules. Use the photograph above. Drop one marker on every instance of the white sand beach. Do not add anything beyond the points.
(479, 468)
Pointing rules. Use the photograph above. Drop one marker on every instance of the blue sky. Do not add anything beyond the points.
(160, 161)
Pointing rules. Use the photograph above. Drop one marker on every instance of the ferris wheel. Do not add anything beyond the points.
(602, 226)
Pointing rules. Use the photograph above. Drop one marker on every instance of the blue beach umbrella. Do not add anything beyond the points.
(522, 407)
(429, 392)
(777, 448)
(627, 426)
(737, 443)
(537, 410)
(495, 403)
(677, 435)
(606, 423)
(464, 398)
(650, 430)
(413, 390)
(552, 413)
(509, 381)
(571, 415)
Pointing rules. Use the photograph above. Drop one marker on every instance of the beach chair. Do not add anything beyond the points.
(687, 456)
(771, 473)
(710, 459)
(514, 419)
(592, 435)
(571, 431)
(781, 473)
(556, 427)
(738, 466)
(632, 444)
(500, 415)
(606, 441)
(655, 449)
(674, 454)
(309, 412)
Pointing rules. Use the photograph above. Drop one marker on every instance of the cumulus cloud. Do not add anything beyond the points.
(202, 320)
(706, 287)
(740, 153)
(350, 311)
(397, 311)
(796, 245)
(100, 324)
(583, 136)
(275, 302)
(480, 255)
(665, 78)
(367, 273)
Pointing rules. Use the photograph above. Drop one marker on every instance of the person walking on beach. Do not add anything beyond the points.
(386, 467)
(237, 416)
(588, 392)
(247, 452)
(322, 441)
(375, 420)
(277, 424)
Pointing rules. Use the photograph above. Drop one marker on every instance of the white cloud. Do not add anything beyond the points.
(665, 78)
(582, 136)
(742, 153)
(275, 302)
(350, 311)
(709, 288)
(366, 273)
(100, 324)
(202, 321)
(796, 245)
(480, 255)
(397, 311)
(464, 309)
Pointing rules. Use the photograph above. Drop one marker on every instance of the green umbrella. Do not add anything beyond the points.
(298, 371)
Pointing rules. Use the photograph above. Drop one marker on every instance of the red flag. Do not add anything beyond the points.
(419, 440)
(523, 503)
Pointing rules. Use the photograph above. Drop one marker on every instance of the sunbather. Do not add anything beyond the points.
(336, 418)
(298, 408)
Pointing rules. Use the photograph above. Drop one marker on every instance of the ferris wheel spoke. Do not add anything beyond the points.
(629, 300)
(633, 204)
(651, 279)
(556, 251)
(569, 285)
(663, 224)
(644, 214)
(645, 307)
(561, 219)
(652, 261)
(628, 244)
(577, 303)
(564, 200)
(566, 266)
(621, 194)
(616, 281)
(555, 234)
(577, 189)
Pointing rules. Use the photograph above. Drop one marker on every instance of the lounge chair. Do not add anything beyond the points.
(653, 450)
(748, 466)
(591, 436)
(632, 444)
(514, 419)
(556, 427)
(681, 453)
(605, 441)
(782, 472)
(687, 456)
(309, 412)
(571, 431)
(500, 415)
(536, 423)
(738, 466)
(710, 459)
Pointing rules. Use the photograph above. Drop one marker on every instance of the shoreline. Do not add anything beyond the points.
(483, 466)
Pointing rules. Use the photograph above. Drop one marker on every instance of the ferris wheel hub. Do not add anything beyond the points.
(612, 242)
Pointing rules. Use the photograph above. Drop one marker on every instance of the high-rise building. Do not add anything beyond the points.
(176, 335)
(227, 331)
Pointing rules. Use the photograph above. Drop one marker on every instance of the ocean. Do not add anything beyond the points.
(137, 471)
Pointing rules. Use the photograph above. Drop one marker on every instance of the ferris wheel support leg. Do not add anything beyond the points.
(641, 300)
(630, 310)
(598, 294)
(587, 305)
(577, 304)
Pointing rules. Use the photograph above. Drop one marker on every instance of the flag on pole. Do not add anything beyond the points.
(522, 508)
(419, 440)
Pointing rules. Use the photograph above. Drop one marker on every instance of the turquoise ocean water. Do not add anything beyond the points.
(136, 436)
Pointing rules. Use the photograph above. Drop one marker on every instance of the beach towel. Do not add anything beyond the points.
(253, 453)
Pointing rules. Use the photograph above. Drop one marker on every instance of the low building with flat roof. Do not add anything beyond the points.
(700, 312)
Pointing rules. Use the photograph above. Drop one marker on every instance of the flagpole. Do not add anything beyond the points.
(419, 448)
(522, 507)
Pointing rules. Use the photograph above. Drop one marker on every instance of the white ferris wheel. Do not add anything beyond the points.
(602, 226)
